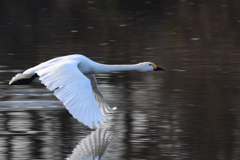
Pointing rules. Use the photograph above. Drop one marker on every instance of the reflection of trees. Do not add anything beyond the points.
(144, 126)
(37, 134)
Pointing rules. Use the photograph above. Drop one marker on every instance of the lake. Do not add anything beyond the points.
(189, 111)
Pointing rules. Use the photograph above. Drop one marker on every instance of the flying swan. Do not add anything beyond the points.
(72, 78)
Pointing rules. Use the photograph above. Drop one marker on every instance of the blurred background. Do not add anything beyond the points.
(190, 111)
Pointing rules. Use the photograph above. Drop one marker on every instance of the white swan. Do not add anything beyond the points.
(73, 82)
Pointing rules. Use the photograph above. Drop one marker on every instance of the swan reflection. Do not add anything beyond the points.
(92, 147)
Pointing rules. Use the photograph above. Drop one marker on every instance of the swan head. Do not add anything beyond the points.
(149, 66)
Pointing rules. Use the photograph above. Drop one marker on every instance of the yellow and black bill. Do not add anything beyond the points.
(156, 68)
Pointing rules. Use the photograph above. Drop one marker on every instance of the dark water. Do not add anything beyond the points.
(190, 111)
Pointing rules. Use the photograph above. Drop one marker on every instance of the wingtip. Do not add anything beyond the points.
(12, 80)
(114, 108)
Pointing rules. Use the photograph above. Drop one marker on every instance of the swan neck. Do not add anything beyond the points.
(116, 68)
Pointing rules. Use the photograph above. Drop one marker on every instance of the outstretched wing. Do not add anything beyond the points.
(98, 96)
(74, 90)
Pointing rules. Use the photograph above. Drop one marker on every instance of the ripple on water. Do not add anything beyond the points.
(25, 105)
(12, 70)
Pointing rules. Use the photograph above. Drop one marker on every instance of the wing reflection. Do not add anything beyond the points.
(92, 147)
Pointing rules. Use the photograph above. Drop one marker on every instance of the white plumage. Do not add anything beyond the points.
(73, 81)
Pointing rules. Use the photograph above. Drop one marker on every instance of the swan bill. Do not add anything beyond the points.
(159, 69)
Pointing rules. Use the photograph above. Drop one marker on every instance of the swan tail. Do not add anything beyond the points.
(21, 79)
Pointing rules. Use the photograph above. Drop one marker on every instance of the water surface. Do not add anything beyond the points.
(190, 111)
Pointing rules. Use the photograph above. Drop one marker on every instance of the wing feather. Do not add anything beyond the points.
(74, 90)
(98, 95)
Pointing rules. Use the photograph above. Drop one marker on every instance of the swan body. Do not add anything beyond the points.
(72, 78)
